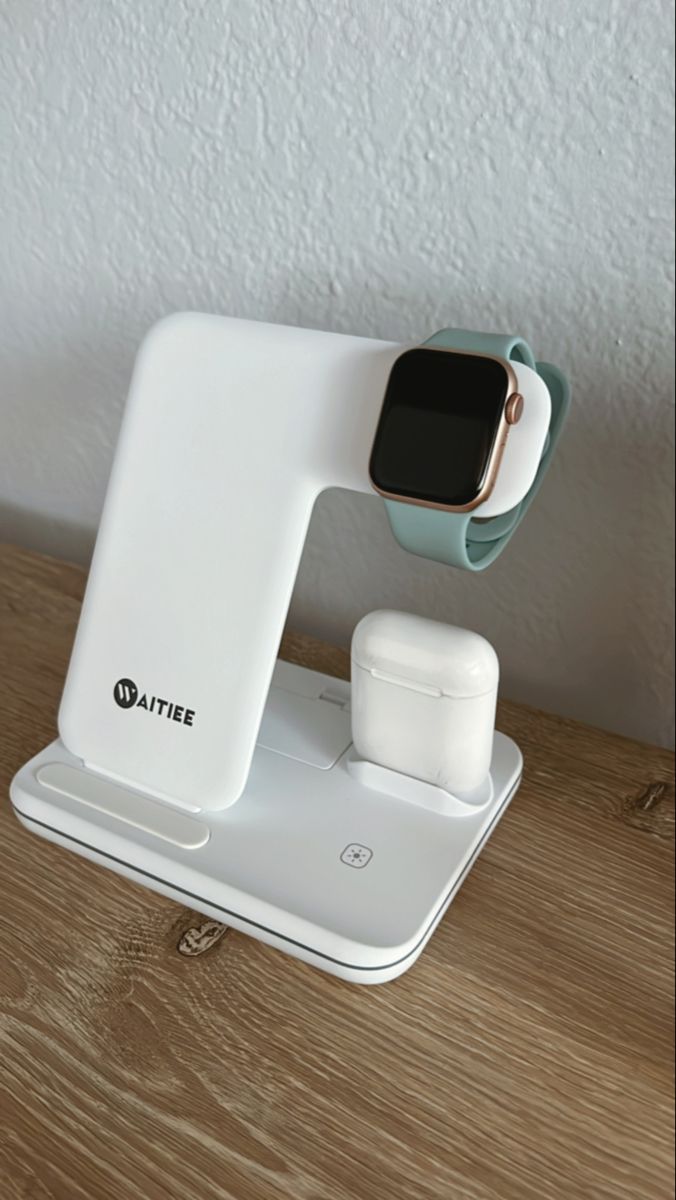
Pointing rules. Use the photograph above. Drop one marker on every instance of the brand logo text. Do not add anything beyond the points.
(126, 695)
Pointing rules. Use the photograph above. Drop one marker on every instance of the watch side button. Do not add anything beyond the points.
(514, 409)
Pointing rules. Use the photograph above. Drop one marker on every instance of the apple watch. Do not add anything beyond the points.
(467, 430)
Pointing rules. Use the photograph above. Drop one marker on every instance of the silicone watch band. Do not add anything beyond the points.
(460, 539)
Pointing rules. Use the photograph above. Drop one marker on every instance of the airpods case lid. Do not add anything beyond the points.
(425, 655)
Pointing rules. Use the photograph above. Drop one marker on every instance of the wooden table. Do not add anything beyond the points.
(527, 1055)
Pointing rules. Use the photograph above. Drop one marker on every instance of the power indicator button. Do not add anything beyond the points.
(356, 855)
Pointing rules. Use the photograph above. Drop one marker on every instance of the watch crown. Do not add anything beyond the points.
(514, 409)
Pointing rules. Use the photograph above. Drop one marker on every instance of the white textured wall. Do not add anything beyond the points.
(380, 168)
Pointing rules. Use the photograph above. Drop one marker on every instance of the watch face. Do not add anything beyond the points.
(438, 426)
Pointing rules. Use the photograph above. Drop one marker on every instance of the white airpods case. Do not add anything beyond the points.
(423, 699)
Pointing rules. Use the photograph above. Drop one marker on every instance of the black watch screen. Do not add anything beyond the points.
(438, 426)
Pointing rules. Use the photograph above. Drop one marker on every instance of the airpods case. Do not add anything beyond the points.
(423, 699)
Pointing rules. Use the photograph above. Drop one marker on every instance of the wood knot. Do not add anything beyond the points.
(200, 938)
(650, 797)
(651, 809)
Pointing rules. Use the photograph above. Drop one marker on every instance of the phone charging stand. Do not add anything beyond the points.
(263, 820)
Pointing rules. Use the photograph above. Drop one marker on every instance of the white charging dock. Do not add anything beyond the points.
(310, 859)
(250, 805)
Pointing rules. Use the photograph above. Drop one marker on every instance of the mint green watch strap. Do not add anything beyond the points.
(499, 345)
(459, 539)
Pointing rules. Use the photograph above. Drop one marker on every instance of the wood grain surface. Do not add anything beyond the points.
(146, 1054)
